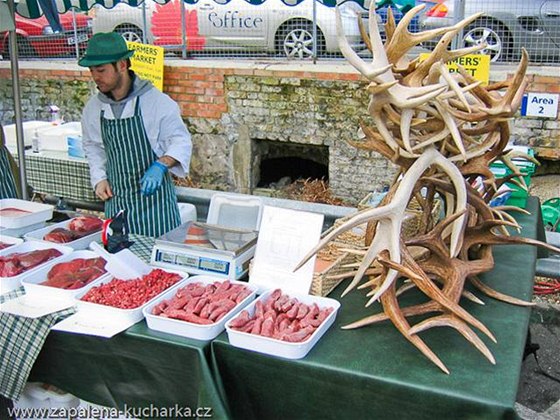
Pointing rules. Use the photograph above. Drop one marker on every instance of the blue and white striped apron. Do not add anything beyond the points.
(129, 155)
(7, 183)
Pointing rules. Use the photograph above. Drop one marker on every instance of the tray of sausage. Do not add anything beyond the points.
(200, 308)
(282, 325)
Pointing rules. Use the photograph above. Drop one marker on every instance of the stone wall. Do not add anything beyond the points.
(227, 109)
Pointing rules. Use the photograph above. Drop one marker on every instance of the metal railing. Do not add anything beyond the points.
(292, 30)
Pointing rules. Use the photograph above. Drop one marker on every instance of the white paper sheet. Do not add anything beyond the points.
(33, 306)
(85, 322)
(285, 237)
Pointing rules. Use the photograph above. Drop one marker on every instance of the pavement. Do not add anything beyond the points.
(538, 396)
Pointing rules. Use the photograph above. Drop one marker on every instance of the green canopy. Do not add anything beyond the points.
(32, 8)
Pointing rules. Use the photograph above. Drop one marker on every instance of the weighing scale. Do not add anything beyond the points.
(201, 248)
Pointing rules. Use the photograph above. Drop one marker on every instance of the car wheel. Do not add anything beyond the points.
(495, 35)
(295, 40)
(130, 33)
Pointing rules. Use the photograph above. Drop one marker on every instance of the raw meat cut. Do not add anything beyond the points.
(16, 263)
(13, 212)
(75, 274)
(77, 228)
(85, 224)
(129, 294)
(4, 245)
(61, 236)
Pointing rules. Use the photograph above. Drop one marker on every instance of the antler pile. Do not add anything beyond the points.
(443, 130)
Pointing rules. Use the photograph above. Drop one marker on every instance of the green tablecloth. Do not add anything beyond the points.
(373, 372)
(137, 368)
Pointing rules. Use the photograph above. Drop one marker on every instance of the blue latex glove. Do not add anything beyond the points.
(153, 178)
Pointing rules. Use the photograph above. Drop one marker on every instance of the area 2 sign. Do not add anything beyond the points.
(540, 105)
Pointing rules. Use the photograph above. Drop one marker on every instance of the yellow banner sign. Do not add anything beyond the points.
(477, 65)
(147, 62)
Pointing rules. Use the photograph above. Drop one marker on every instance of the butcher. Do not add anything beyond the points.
(133, 138)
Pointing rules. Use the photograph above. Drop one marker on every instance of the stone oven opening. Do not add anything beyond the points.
(278, 163)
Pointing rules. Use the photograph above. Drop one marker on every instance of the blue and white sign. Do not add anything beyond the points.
(540, 105)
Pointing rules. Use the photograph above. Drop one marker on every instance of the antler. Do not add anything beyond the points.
(443, 130)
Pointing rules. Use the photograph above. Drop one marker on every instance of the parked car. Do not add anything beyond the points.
(506, 26)
(237, 25)
(126, 20)
(35, 37)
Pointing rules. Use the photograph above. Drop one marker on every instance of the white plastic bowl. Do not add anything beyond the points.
(77, 244)
(126, 315)
(189, 329)
(32, 286)
(8, 284)
(37, 213)
(281, 348)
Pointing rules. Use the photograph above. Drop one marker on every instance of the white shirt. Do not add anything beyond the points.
(164, 126)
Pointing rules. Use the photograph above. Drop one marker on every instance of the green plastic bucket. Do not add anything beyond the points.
(551, 214)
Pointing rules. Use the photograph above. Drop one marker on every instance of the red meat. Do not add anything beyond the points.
(16, 263)
(61, 236)
(75, 274)
(13, 212)
(128, 294)
(4, 245)
(85, 224)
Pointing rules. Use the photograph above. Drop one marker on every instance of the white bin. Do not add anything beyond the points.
(55, 138)
(38, 395)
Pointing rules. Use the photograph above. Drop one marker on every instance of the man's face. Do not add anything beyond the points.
(107, 77)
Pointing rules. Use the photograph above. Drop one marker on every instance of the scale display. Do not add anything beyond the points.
(192, 261)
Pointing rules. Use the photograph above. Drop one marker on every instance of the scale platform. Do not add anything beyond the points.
(201, 248)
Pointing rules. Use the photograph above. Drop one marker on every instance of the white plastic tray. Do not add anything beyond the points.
(10, 240)
(8, 284)
(189, 329)
(32, 286)
(126, 315)
(78, 244)
(280, 348)
(38, 213)
(19, 232)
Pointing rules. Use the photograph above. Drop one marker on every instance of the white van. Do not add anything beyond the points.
(282, 27)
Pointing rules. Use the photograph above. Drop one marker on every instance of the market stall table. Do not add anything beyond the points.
(374, 372)
(57, 174)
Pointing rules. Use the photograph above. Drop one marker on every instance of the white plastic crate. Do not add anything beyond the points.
(8, 284)
(189, 329)
(10, 240)
(35, 213)
(32, 282)
(277, 347)
(120, 315)
(81, 243)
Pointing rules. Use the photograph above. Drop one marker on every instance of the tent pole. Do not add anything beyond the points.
(17, 105)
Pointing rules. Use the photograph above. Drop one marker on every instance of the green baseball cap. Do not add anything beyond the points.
(104, 48)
